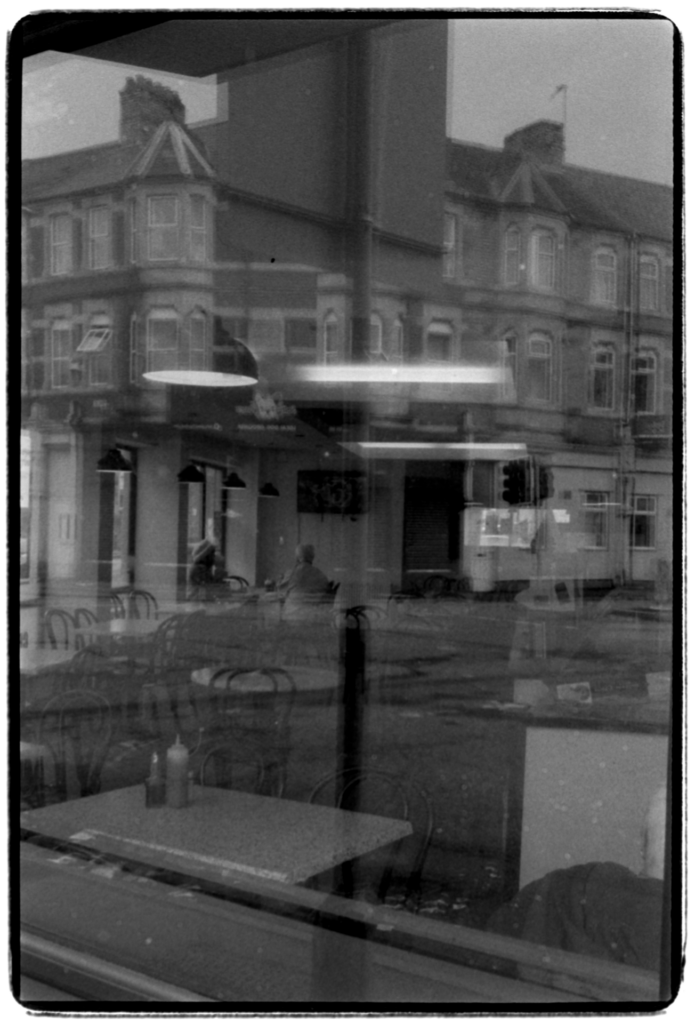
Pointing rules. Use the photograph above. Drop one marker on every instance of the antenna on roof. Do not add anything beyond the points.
(562, 89)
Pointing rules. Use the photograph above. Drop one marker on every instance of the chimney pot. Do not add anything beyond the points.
(144, 106)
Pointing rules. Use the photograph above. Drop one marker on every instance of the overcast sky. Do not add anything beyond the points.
(618, 74)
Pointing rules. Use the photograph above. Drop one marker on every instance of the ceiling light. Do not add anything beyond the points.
(437, 450)
(114, 462)
(233, 482)
(269, 491)
(191, 475)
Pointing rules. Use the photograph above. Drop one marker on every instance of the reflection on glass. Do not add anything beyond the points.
(418, 705)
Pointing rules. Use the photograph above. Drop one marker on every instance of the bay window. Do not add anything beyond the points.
(163, 240)
(199, 229)
(543, 260)
(512, 256)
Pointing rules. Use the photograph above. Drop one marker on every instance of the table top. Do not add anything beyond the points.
(33, 660)
(221, 834)
(118, 627)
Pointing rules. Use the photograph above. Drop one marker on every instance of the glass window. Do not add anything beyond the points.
(643, 372)
(512, 256)
(61, 244)
(163, 227)
(643, 521)
(162, 340)
(438, 343)
(376, 337)
(450, 245)
(300, 337)
(199, 229)
(544, 260)
(331, 339)
(602, 377)
(539, 369)
(61, 353)
(509, 367)
(99, 228)
(605, 277)
(349, 681)
(648, 284)
(596, 519)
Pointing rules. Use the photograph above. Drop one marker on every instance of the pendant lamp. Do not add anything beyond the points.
(114, 462)
(191, 475)
(233, 482)
(234, 367)
(269, 491)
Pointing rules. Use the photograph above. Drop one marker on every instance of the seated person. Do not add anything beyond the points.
(207, 575)
(305, 587)
(598, 909)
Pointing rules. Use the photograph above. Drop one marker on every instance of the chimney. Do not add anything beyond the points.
(543, 141)
(144, 106)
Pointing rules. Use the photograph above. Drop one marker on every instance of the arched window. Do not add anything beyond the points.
(643, 374)
(648, 284)
(539, 368)
(512, 256)
(602, 377)
(397, 341)
(162, 351)
(376, 337)
(544, 260)
(605, 277)
(509, 366)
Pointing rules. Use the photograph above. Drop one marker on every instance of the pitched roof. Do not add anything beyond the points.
(171, 151)
(593, 198)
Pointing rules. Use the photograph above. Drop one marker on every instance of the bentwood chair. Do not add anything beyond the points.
(60, 629)
(140, 604)
(397, 869)
(76, 728)
(228, 767)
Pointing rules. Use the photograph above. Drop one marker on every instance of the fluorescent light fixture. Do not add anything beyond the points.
(437, 450)
(236, 368)
(384, 373)
(201, 378)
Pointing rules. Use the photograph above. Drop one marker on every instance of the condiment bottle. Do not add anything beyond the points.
(177, 775)
(154, 784)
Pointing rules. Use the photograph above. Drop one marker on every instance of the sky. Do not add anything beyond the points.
(618, 73)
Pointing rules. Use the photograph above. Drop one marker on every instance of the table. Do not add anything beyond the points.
(34, 660)
(112, 629)
(221, 834)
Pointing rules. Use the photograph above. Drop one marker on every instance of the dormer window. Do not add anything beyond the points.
(163, 228)
(543, 260)
(605, 277)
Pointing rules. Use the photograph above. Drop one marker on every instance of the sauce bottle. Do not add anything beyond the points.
(154, 784)
(177, 775)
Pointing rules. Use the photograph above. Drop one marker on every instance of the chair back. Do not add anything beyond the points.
(76, 727)
(237, 583)
(229, 767)
(60, 629)
(118, 610)
(373, 791)
(140, 604)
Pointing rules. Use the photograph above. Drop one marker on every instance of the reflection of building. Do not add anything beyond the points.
(170, 243)
(572, 269)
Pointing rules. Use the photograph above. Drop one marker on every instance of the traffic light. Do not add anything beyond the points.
(516, 482)
(545, 483)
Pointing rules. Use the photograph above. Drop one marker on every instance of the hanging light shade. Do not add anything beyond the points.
(191, 475)
(114, 462)
(269, 491)
(234, 367)
(233, 482)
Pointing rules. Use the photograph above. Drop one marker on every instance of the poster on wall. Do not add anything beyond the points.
(322, 491)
